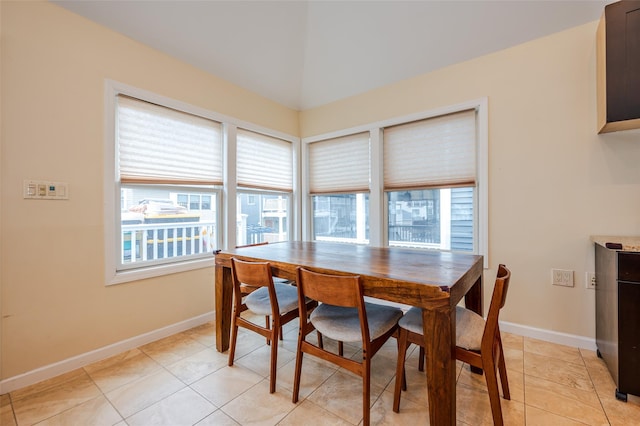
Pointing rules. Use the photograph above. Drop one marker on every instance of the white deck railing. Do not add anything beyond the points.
(151, 241)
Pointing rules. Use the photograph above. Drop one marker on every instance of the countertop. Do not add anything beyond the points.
(628, 243)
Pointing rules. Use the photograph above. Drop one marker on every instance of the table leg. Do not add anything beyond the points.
(439, 329)
(224, 306)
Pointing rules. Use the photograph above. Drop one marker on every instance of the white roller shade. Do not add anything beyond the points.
(436, 152)
(339, 165)
(161, 145)
(264, 162)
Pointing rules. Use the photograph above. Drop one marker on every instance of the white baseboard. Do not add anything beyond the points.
(549, 336)
(79, 361)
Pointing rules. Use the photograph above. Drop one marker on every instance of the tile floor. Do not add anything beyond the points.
(183, 380)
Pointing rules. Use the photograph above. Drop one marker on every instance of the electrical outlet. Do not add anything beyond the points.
(562, 277)
(590, 281)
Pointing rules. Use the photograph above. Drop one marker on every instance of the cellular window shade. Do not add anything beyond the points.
(157, 144)
(436, 152)
(339, 165)
(264, 162)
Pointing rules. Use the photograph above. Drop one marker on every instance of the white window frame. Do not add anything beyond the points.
(225, 197)
(112, 191)
(230, 132)
(377, 199)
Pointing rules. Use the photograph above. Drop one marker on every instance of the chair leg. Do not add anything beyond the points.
(502, 368)
(298, 370)
(340, 349)
(320, 343)
(234, 338)
(489, 367)
(400, 376)
(366, 392)
(421, 359)
(274, 358)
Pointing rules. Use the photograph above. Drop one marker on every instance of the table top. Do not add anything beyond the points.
(399, 274)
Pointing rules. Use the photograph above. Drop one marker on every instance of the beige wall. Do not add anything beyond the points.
(1, 201)
(553, 181)
(54, 300)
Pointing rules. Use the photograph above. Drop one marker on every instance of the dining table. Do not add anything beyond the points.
(433, 280)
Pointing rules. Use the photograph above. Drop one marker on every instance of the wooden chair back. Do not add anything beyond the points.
(498, 298)
(335, 290)
(254, 244)
(249, 276)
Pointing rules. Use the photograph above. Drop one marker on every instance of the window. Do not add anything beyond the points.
(155, 228)
(265, 183)
(429, 177)
(168, 169)
(339, 188)
(164, 174)
(341, 217)
(418, 181)
(264, 220)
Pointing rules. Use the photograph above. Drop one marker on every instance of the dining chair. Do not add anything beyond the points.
(277, 301)
(342, 315)
(478, 343)
(246, 289)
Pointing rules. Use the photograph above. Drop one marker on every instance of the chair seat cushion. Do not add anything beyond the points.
(343, 324)
(469, 326)
(259, 303)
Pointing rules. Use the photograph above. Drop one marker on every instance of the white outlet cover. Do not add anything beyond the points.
(562, 277)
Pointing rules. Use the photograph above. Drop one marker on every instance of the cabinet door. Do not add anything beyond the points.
(623, 60)
(629, 337)
(629, 266)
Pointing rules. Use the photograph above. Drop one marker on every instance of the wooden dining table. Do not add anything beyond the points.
(434, 280)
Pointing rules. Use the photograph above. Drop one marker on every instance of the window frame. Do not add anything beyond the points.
(213, 192)
(112, 192)
(378, 220)
(225, 196)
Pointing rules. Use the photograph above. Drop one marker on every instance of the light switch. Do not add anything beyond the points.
(45, 190)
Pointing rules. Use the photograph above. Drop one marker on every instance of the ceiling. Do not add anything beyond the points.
(304, 54)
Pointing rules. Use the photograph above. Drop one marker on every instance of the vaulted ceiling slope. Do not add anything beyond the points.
(307, 53)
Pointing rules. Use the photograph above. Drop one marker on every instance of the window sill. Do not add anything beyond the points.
(158, 270)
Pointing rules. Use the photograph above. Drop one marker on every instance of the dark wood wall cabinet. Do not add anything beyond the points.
(618, 67)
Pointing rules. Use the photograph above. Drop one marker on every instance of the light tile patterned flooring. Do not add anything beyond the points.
(183, 380)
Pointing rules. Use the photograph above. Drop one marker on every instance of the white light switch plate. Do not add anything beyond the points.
(45, 190)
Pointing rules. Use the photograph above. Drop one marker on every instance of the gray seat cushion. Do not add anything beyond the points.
(469, 326)
(280, 280)
(259, 303)
(343, 324)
